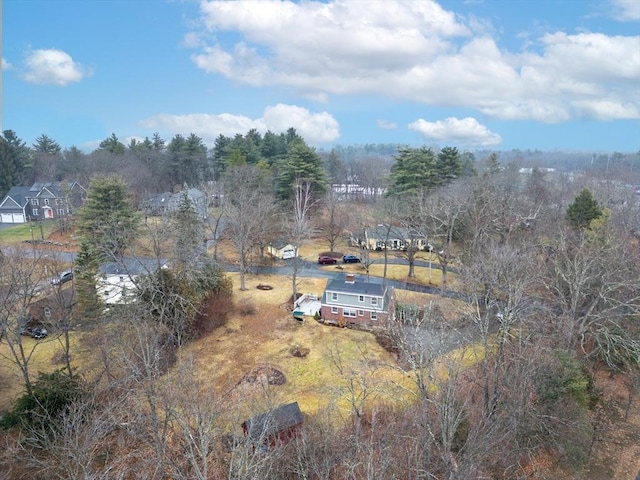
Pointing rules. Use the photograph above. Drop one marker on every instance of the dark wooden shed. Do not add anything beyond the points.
(276, 426)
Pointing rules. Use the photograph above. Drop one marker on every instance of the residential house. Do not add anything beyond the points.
(117, 282)
(158, 204)
(353, 300)
(389, 237)
(53, 308)
(13, 208)
(41, 201)
(282, 249)
(277, 426)
(197, 198)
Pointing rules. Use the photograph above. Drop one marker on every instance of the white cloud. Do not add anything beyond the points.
(315, 128)
(52, 67)
(6, 65)
(385, 125)
(465, 131)
(419, 52)
(626, 10)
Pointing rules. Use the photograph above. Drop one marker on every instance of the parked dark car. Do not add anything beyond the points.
(34, 332)
(326, 260)
(351, 259)
(62, 278)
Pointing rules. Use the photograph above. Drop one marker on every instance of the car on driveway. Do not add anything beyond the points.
(64, 277)
(326, 260)
(34, 332)
(351, 259)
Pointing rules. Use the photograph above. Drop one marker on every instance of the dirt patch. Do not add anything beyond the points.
(263, 375)
(299, 352)
(260, 286)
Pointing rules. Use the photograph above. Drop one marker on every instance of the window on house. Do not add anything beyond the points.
(374, 316)
(334, 296)
(334, 309)
(34, 201)
(374, 301)
(361, 313)
(46, 201)
(35, 212)
(47, 312)
(122, 279)
(348, 312)
(361, 298)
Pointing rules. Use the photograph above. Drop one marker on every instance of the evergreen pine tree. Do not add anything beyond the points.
(583, 210)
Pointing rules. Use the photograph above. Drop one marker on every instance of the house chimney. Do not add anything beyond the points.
(351, 278)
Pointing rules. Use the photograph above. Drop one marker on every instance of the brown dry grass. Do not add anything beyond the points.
(46, 352)
(268, 336)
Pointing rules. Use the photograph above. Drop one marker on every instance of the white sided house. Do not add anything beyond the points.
(117, 282)
(282, 249)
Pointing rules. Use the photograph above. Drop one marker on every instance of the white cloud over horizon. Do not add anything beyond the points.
(418, 51)
(52, 67)
(626, 10)
(6, 65)
(315, 128)
(464, 131)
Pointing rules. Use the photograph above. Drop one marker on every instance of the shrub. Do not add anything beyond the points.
(246, 307)
(51, 395)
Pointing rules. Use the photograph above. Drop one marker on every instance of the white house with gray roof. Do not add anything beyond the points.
(117, 282)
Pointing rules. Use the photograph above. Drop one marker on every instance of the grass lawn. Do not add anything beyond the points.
(267, 338)
(45, 357)
(27, 231)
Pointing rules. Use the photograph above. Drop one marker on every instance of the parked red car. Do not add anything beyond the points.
(326, 260)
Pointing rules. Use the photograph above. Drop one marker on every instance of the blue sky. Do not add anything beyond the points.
(489, 74)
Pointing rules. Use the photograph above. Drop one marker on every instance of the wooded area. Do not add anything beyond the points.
(546, 273)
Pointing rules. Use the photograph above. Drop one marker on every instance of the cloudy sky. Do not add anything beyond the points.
(490, 74)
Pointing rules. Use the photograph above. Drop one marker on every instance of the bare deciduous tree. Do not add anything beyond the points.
(249, 210)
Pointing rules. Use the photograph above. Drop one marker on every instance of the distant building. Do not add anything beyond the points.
(282, 249)
(168, 202)
(389, 237)
(41, 201)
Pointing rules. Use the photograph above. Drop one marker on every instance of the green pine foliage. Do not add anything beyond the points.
(14, 161)
(415, 169)
(300, 163)
(85, 270)
(107, 220)
(51, 395)
(583, 210)
(420, 169)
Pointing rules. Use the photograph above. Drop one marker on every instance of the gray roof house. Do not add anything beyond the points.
(41, 201)
(117, 282)
(389, 237)
(13, 205)
(353, 300)
(197, 198)
(158, 204)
